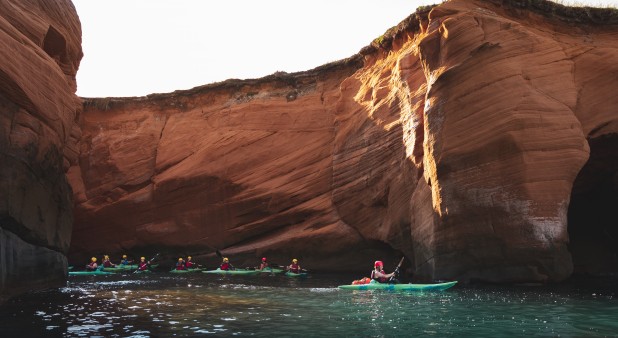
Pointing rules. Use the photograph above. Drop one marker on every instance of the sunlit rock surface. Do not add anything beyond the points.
(455, 139)
(39, 56)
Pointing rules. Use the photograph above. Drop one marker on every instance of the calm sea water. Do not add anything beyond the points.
(166, 305)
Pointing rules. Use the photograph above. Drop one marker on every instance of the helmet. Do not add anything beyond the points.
(225, 259)
(294, 260)
(188, 257)
(124, 256)
(94, 259)
(106, 257)
(179, 259)
(263, 259)
(378, 263)
(142, 258)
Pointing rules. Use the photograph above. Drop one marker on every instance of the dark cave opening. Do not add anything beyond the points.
(593, 210)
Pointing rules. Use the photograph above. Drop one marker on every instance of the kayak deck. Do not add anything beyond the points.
(403, 287)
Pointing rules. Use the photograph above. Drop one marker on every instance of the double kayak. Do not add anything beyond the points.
(399, 287)
(126, 268)
(232, 272)
(89, 273)
(186, 271)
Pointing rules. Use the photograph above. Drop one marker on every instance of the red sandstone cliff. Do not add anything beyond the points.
(456, 139)
(40, 51)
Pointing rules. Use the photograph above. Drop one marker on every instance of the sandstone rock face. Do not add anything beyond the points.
(458, 141)
(40, 53)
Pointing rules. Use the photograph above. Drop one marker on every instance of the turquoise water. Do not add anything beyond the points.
(164, 305)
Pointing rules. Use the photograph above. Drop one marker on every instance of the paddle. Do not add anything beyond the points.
(148, 262)
(396, 272)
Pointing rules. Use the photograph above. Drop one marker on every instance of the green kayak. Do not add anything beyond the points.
(142, 271)
(271, 270)
(397, 287)
(88, 273)
(126, 268)
(294, 274)
(186, 271)
(233, 272)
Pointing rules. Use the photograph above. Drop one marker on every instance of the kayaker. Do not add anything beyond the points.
(181, 264)
(379, 275)
(92, 265)
(143, 265)
(294, 267)
(190, 264)
(225, 265)
(107, 263)
(125, 260)
(264, 264)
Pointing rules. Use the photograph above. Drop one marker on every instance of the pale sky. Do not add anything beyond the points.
(140, 47)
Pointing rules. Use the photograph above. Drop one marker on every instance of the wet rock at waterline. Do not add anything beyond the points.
(39, 57)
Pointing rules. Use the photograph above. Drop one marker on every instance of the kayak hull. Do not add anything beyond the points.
(126, 268)
(400, 287)
(269, 270)
(292, 274)
(232, 272)
(186, 271)
(89, 273)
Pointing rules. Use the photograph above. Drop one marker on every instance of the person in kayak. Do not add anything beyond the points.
(189, 264)
(92, 266)
(225, 265)
(107, 263)
(380, 276)
(125, 260)
(264, 264)
(143, 265)
(294, 267)
(181, 264)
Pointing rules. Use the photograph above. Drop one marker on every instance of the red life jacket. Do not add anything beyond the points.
(295, 268)
(143, 266)
(107, 264)
(180, 266)
(91, 266)
(379, 279)
(189, 265)
(224, 266)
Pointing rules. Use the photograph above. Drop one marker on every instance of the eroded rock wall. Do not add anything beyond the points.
(40, 51)
(454, 140)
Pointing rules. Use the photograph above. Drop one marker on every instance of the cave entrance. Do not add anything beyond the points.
(593, 210)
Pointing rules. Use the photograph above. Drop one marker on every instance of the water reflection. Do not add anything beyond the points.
(161, 305)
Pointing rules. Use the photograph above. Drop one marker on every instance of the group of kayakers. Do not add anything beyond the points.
(226, 265)
(377, 274)
(106, 263)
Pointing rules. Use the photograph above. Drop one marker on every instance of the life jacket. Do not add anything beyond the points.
(107, 264)
(189, 265)
(180, 266)
(263, 266)
(92, 266)
(124, 262)
(224, 266)
(295, 268)
(378, 279)
(364, 280)
(143, 266)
